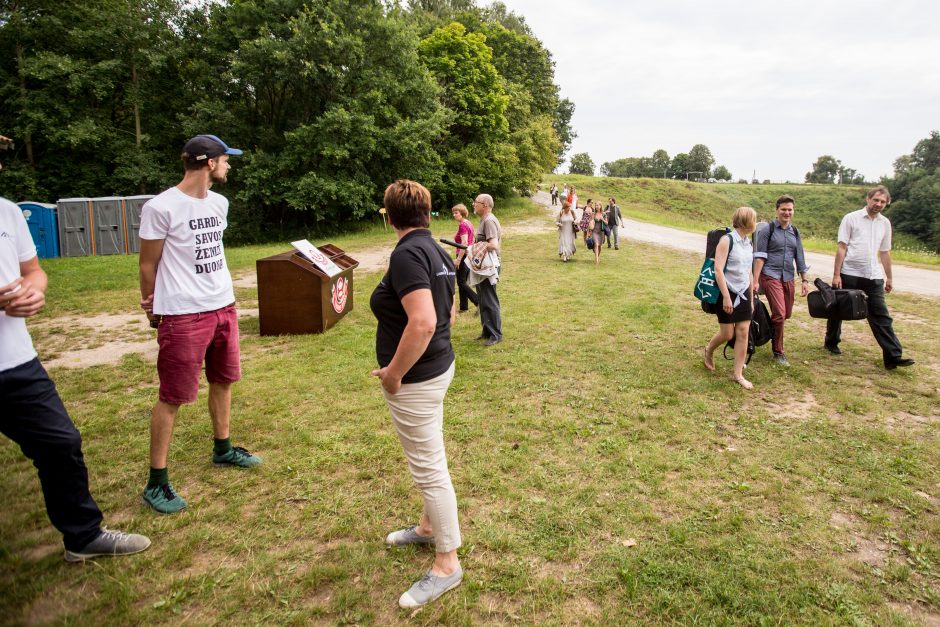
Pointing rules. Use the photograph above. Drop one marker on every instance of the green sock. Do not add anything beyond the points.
(158, 476)
(222, 447)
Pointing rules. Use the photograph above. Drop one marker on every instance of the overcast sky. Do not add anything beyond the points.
(767, 86)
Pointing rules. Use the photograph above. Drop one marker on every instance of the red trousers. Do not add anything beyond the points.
(780, 296)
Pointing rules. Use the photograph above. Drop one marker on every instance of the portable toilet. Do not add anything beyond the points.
(107, 218)
(40, 217)
(74, 216)
(132, 208)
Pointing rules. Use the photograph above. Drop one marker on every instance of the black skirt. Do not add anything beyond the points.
(742, 312)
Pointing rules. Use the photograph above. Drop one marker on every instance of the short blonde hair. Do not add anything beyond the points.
(744, 218)
(462, 209)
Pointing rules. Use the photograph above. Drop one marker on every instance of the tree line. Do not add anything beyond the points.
(915, 192)
(330, 99)
(915, 188)
(698, 163)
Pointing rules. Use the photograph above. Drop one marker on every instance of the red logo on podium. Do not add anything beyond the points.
(340, 291)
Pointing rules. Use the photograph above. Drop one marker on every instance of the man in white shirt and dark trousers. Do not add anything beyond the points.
(864, 239)
(186, 290)
(31, 412)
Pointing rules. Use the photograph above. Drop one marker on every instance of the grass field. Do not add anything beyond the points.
(603, 475)
(701, 206)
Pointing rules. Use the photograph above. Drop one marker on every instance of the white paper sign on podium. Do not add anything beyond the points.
(317, 258)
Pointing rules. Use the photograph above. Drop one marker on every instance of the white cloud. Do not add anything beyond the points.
(767, 86)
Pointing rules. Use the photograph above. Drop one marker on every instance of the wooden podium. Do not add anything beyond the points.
(295, 297)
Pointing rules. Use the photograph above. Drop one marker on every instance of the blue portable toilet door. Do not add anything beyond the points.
(41, 219)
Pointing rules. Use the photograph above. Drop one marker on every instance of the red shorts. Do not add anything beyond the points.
(189, 339)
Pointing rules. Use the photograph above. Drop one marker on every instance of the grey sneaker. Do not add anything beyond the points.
(429, 588)
(409, 535)
(110, 542)
(781, 359)
(236, 456)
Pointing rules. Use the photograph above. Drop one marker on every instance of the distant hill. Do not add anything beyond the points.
(701, 206)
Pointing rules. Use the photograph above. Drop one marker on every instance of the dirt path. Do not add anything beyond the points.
(906, 279)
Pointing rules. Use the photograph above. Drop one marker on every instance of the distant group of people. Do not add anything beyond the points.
(863, 261)
(598, 225)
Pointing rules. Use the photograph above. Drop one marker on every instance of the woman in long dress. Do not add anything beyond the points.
(597, 225)
(565, 224)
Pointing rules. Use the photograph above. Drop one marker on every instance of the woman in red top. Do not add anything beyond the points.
(464, 236)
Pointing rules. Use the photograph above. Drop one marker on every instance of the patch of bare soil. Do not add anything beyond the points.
(905, 420)
(917, 614)
(871, 551)
(59, 603)
(372, 260)
(42, 551)
(791, 409)
(84, 341)
(908, 318)
(529, 227)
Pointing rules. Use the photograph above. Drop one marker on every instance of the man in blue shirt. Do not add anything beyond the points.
(777, 249)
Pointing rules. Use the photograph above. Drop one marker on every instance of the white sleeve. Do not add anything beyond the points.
(25, 248)
(154, 222)
(886, 240)
(845, 231)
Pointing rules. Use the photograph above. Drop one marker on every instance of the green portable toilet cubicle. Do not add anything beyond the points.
(75, 227)
(41, 219)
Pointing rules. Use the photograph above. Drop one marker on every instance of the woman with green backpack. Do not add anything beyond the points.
(734, 258)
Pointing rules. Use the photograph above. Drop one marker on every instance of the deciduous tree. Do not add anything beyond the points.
(825, 170)
(581, 163)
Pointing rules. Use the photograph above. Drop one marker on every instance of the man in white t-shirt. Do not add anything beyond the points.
(33, 415)
(186, 290)
(864, 240)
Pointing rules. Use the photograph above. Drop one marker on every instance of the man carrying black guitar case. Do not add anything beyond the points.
(832, 304)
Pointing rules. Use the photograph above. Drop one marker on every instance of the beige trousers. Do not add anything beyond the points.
(418, 414)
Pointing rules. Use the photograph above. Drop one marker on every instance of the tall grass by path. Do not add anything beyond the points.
(811, 500)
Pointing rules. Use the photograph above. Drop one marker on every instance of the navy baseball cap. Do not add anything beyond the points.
(202, 147)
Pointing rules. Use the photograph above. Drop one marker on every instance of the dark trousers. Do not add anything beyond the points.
(489, 310)
(466, 292)
(33, 416)
(878, 317)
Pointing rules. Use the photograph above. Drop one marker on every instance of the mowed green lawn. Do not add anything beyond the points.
(603, 475)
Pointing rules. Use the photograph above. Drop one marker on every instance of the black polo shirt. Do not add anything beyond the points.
(417, 262)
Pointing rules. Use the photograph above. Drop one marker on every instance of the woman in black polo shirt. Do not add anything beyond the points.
(414, 305)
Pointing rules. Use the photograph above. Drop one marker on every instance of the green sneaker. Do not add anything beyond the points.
(236, 456)
(163, 498)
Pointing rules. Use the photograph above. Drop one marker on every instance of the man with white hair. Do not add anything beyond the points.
(490, 232)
